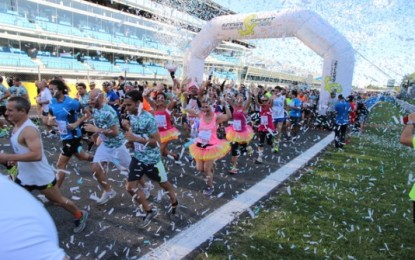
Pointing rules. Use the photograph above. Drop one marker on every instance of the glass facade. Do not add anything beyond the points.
(79, 36)
(84, 23)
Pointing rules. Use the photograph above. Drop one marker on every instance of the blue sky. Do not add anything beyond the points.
(381, 31)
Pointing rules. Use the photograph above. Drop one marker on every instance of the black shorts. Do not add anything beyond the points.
(71, 147)
(307, 112)
(295, 120)
(35, 187)
(155, 172)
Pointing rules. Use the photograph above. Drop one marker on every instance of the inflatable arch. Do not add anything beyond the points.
(306, 25)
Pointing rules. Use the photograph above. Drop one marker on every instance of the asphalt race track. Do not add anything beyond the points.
(113, 230)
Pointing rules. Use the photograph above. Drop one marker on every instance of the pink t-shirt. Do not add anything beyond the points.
(207, 131)
(239, 119)
(163, 120)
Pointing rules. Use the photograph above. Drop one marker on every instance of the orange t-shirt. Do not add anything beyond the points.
(146, 106)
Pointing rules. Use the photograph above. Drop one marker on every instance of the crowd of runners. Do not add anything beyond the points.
(131, 127)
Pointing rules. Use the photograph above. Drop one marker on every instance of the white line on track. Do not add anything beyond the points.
(189, 239)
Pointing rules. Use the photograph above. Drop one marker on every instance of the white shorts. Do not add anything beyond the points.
(120, 156)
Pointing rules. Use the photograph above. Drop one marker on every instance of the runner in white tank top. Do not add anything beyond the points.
(278, 117)
(37, 173)
(34, 171)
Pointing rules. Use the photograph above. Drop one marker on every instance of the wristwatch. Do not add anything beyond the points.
(410, 122)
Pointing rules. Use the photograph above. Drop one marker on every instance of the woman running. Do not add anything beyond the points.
(239, 133)
(207, 147)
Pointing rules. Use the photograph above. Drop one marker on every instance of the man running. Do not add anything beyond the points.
(65, 112)
(144, 134)
(112, 148)
(34, 171)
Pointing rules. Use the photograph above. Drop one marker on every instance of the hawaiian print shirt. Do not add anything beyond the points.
(105, 118)
(144, 125)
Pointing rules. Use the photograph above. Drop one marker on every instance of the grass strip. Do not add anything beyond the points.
(349, 203)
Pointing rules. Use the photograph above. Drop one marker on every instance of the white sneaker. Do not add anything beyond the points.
(259, 160)
(106, 196)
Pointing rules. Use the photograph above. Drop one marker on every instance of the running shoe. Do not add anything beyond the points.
(149, 216)
(233, 170)
(80, 224)
(276, 149)
(259, 160)
(208, 191)
(249, 150)
(106, 196)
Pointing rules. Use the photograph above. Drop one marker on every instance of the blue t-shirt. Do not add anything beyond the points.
(295, 106)
(111, 97)
(66, 112)
(342, 112)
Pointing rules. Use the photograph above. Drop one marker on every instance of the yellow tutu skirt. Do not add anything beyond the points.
(210, 153)
(169, 134)
(239, 137)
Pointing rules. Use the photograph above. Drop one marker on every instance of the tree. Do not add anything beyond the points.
(409, 79)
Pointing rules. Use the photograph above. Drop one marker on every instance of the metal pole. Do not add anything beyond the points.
(246, 75)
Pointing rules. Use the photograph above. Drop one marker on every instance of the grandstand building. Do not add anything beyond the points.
(102, 39)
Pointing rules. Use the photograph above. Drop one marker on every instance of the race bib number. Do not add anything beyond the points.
(264, 120)
(62, 127)
(138, 147)
(278, 113)
(161, 121)
(205, 135)
(191, 120)
(103, 137)
(237, 125)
